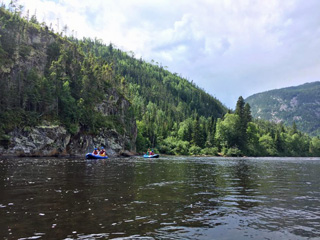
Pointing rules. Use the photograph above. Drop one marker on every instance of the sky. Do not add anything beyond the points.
(229, 48)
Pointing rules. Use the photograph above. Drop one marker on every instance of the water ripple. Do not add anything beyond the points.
(167, 198)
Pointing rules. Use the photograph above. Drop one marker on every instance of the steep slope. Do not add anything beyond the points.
(154, 83)
(161, 100)
(300, 104)
(54, 99)
(93, 91)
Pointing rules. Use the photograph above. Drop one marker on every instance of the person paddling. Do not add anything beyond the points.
(95, 151)
(148, 152)
(102, 152)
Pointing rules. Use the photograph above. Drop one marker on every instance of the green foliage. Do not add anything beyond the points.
(213, 151)
(297, 145)
(253, 147)
(172, 145)
(244, 113)
(194, 150)
(185, 130)
(315, 147)
(240, 107)
(233, 152)
(267, 145)
(227, 131)
(142, 143)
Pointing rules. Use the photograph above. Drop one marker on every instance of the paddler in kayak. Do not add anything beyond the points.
(148, 151)
(102, 152)
(95, 151)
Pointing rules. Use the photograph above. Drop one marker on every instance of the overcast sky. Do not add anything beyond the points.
(227, 47)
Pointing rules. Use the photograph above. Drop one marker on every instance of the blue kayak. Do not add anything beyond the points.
(151, 156)
(92, 156)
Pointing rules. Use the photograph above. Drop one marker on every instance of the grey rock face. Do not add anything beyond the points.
(54, 140)
(49, 140)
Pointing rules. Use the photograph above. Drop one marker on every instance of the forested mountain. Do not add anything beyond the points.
(59, 94)
(45, 76)
(161, 100)
(299, 105)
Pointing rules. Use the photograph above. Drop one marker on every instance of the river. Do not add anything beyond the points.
(165, 198)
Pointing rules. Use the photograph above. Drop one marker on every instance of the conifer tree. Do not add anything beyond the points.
(242, 126)
(294, 127)
(240, 107)
(247, 113)
(196, 132)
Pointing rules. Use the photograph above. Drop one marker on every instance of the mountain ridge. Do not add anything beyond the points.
(297, 104)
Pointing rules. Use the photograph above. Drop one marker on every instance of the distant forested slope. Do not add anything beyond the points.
(300, 104)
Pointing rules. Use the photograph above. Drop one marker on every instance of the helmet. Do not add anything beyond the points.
(95, 148)
(102, 148)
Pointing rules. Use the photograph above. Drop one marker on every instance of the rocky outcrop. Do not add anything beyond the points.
(54, 140)
(113, 143)
(48, 139)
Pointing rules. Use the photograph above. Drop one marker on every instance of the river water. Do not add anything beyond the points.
(165, 198)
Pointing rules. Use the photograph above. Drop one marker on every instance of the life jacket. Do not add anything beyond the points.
(102, 152)
(95, 152)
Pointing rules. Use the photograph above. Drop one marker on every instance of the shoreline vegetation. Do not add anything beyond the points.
(139, 155)
(98, 95)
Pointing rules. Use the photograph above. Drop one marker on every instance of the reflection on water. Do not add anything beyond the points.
(166, 198)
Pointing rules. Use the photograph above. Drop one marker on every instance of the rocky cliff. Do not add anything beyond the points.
(54, 140)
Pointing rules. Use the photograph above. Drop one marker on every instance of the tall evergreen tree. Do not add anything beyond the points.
(196, 132)
(247, 113)
(240, 107)
(294, 127)
(241, 125)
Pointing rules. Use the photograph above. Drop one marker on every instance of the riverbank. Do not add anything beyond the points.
(52, 140)
(124, 154)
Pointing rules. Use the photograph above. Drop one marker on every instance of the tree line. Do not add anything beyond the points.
(175, 116)
(62, 79)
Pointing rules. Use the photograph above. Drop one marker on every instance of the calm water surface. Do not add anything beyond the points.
(165, 198)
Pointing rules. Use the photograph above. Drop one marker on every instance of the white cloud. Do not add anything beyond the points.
(228, 47)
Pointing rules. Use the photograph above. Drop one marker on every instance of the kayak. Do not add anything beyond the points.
(92, 156)
(151, 156)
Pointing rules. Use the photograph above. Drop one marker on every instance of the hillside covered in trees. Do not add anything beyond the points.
(88, 87)
(300, 104)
